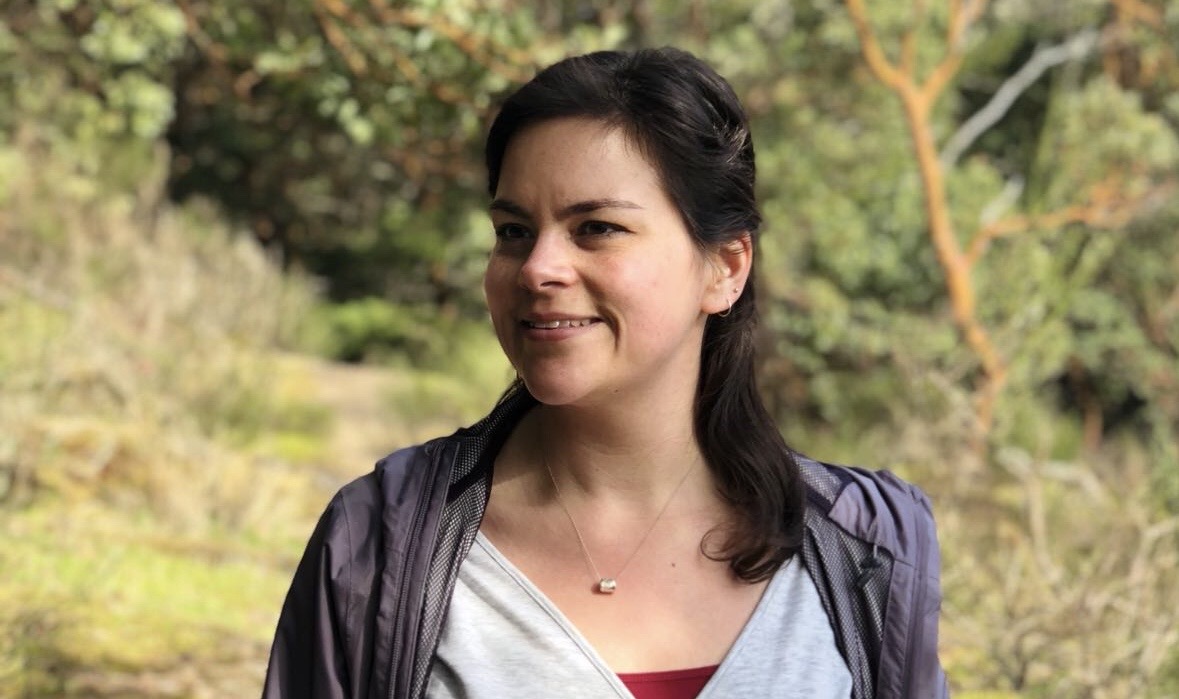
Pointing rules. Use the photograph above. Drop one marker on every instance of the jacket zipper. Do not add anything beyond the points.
(419, 522)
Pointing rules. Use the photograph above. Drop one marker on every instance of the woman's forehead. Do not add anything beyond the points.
(596, 159)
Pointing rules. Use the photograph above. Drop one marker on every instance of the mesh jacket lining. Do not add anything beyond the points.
(466, 498)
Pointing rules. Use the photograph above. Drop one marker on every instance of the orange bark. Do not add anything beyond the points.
(917, 99)
(1138, 11)
(1107, 207)
(1119, 61)
(339, 41)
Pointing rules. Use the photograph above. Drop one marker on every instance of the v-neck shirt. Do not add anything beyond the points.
(504, 638)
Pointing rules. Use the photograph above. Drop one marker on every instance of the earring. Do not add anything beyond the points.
(727, 311)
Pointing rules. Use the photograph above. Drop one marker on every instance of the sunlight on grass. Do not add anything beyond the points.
(110, 591)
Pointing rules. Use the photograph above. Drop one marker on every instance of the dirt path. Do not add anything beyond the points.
(364, 427)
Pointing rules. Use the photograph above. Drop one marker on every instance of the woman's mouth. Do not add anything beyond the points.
(556, 324)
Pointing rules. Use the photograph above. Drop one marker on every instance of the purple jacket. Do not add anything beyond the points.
(368, 600)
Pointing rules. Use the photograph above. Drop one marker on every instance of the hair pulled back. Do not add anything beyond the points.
(689, 124)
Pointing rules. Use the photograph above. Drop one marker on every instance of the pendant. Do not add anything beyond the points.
(607, 586)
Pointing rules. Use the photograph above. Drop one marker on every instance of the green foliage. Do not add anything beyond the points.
(373, 328)
(1095, 131)
(342, 137)
(452, 368)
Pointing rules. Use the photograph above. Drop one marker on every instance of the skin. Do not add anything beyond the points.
(599, 298)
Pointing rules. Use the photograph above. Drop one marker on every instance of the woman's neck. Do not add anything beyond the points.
(621, 455)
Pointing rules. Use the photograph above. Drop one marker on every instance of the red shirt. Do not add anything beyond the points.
(669, 684)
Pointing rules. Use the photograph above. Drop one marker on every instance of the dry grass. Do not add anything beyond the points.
(1060, 575)
(163, 451)
(157, 448)
(1060, 569)
(139, 347)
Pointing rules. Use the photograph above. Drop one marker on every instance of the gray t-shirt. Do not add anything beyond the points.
(504, 638)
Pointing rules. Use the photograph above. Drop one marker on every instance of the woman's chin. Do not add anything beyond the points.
(553, 391)
(550, 395)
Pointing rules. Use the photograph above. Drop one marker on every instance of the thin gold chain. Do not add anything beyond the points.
(608, 584)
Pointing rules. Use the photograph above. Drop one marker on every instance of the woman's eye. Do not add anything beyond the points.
(599, 228)
(510, 231)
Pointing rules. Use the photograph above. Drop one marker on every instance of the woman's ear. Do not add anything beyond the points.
(730, 263)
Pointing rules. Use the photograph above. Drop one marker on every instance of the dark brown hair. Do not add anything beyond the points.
(690, 125)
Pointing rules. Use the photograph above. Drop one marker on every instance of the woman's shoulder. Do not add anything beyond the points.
(416, 478)
(392, 479)
(830, 481)
(876, 506)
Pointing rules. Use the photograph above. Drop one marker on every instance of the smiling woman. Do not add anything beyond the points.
(627, 521)
(596, 289)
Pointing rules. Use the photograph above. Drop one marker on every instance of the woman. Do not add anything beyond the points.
(627, 521)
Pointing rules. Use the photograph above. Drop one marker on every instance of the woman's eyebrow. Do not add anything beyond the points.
(509, 207)
(591, 205)
(582, 207)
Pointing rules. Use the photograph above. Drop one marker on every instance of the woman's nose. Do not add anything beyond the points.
(549, 263)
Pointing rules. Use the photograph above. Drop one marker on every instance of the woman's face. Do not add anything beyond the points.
(595, 287)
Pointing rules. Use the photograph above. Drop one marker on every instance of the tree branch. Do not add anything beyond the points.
(960, 20)
(1106, 207)
(1127, 14)
(1043, 59)
(951, 25)
(217, 53)
(517, 68)
(356, 58)
(878, 63)
(909, 50)
(1139, 10)
(909, 39)
(356, 61)
(917, 103)
(198, 36)
(961, 17)
(444, 93)
(939, 78)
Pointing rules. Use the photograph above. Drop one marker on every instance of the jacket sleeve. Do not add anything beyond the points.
(321, 644)
(306, 659)
(898, 516)
(929, 677)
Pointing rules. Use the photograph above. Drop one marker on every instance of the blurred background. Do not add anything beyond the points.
(240, 253)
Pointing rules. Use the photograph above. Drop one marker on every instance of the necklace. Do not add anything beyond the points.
(606, 585)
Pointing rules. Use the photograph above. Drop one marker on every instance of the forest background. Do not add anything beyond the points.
(240, 251)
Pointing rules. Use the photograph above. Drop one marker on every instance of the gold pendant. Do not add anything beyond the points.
(607, 586)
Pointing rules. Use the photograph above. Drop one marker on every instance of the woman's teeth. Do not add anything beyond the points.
(554, 324)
